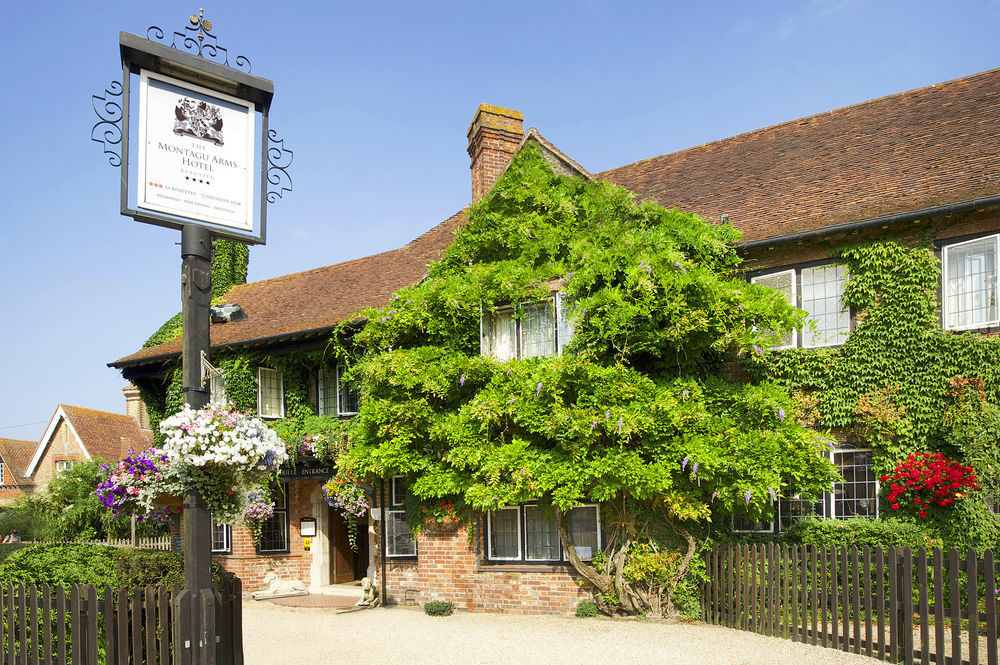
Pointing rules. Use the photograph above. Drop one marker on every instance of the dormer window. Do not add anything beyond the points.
(542, 330)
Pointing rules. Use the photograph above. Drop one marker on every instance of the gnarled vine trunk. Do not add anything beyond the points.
(614, 590)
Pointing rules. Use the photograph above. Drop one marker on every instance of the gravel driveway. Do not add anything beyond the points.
(406, 636)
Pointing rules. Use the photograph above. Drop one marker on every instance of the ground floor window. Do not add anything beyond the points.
(274, 530)
(856, 496)
(399, 540)
(530, 534)
(222, 538)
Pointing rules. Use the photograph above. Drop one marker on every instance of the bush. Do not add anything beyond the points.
(438, 608)
(124, 567)
(859, 531)
(587, 608)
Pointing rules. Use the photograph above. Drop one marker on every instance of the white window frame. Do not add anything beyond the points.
(769, 529)
(830, 503)
(945, 250)
(395, 504)
(228, 537)
(563, 324)
(64, 465)
(794, 302)
(807, 335)
(555, 303)
(489, 535)
(524, 516)
(260, 393)
(522, 536)
(340, 371)
(3, 478)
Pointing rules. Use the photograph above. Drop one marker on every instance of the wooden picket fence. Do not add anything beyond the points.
(896, 605)
(84, 625)
(157, 543)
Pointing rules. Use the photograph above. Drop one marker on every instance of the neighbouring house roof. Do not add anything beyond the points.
(100, 434)
(315, 301)
(16, 455)
(911, 151)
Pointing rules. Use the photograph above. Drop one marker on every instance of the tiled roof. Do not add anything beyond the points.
(906, 152)
(107, 435)
(318, 299)
(17, 454)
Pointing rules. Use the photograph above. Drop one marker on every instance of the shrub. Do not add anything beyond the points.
(438, 608)
(587, 608)
(124, 567)
(861, 532)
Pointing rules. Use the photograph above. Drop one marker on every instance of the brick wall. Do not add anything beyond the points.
(449, 567)
(251, 567)
(494, 135)
(62, 446)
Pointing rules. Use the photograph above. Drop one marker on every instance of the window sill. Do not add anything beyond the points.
(524, 566)
(407, 558)
(274, 553)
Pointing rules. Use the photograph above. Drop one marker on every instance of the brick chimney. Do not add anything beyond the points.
(135, 407)
(494, 135)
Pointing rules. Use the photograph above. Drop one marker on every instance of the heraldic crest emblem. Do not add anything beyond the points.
(198, 119)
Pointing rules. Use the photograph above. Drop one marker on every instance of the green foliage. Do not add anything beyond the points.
(60, 564)
(96, 564)
(587, 608)
(9, 548)
(438, 608)
(859, 531)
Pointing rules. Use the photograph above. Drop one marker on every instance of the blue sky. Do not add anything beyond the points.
(375, 100)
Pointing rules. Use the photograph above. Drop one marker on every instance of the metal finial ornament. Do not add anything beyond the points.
(193, 40)
(279, 159)
(108, 129)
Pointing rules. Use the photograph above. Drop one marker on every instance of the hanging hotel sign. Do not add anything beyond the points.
(191, 136)
(195, 152)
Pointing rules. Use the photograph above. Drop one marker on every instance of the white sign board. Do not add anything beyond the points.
(195, 152)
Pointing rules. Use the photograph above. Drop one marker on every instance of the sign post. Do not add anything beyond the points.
(203, 162)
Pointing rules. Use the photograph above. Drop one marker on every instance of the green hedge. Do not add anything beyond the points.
(121, 567)
(859, 531)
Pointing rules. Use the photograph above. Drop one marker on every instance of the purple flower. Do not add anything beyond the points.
(684, 463)
(642, 264)
(461, 380)
(773, 494)
(510, 401)
(685, 393)
(829, 443)
(619, 425)
(607, 415)
(759, 351)
(694, 469)
(781, 414)
(741, 307)
(746, 497)
(715, 494)
(593, 425)
(538, 389)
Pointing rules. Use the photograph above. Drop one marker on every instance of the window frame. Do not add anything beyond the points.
(801, 300)
(945, 248)
(282, 510)
(830, 502)
(3, 477)
(339, 372)
(555, 303)
(69, 464)
(796, 270)
(322, 397)
(522, 538)
(260, 393)
(395, 507)
(228, 531)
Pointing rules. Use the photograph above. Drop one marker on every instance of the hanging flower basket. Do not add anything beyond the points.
(343, 493)
(223, 454)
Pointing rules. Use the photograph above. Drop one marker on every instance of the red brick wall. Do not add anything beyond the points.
(449, 568)
(251, 567)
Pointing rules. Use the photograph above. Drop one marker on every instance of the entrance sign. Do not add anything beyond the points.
(195, 152)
